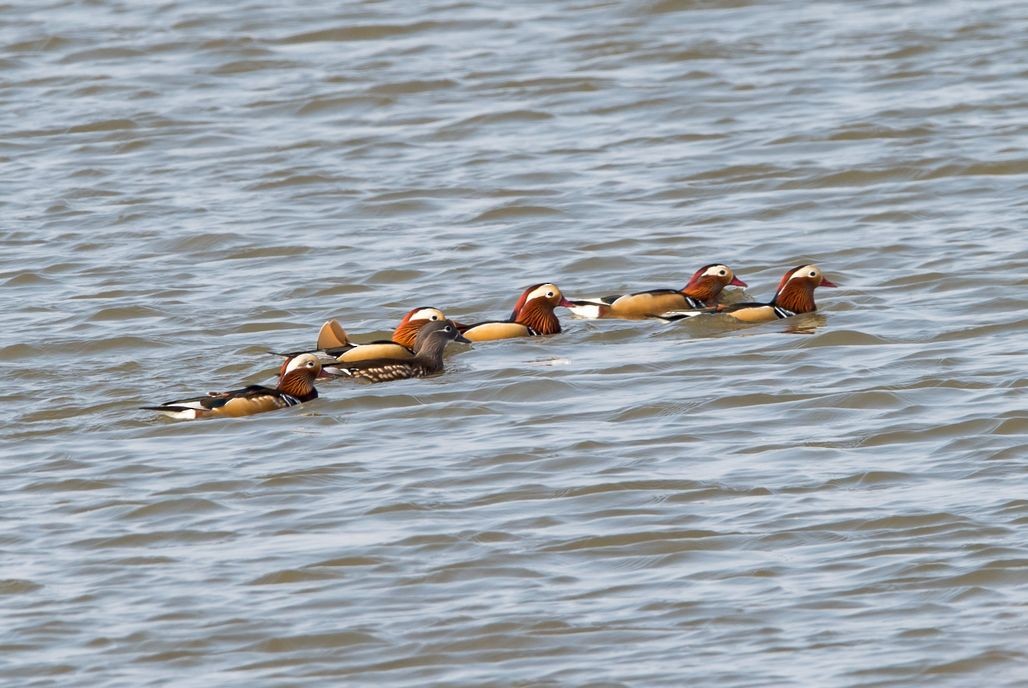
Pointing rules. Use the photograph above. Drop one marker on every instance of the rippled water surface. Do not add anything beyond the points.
(834, 500)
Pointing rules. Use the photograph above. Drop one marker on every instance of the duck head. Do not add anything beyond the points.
(535, 308)
(796, 289)
(707, 282)
(436, 335)
(298, 377)
(407, 331)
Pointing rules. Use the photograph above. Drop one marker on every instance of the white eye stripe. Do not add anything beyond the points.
(807, 271)
(427, 314)
(302, 361)
(547, 290)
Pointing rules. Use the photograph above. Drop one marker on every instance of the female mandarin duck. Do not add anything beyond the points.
(294, 387)
(795, 295)
(702, 291)
(334, 345)
(532, 315)
(428, 359)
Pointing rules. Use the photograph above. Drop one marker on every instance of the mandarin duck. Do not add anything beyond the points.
(295, 386)
(795, 295)
(532, 315)
(428, 357)
(334, 345)
(702, 291)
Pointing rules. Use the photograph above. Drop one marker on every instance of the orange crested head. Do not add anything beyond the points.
(707, 283)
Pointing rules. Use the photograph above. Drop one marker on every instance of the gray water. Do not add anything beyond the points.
(833, 500)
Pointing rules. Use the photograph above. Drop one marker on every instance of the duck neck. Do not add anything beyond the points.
(538, 314)
(299, 384)
(430, 350)
(407, 332)
(705, 290)
(796, 297)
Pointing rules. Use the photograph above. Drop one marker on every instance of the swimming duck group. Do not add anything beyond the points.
(417, 344)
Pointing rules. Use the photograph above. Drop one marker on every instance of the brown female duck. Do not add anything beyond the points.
(334, 345)
(427, 360)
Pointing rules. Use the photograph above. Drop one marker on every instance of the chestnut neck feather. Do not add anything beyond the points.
(299, 384)
(705, 289)
(538, 314)
(407, 332)
(797, 296)
(522, 299)
(785, 278)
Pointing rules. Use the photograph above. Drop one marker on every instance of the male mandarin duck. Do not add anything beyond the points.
(428, 359)
(333, 344)
(701, 291)
(532, 315)
(795, 295)
(295, 386)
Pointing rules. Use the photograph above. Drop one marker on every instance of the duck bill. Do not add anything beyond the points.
(736, 282)
(564, 302)
(462, 339)
(826, 283)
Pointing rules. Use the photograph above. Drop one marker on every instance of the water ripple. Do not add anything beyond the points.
(831, 500)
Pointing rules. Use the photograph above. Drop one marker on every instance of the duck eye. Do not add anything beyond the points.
(813, 274)
(448, 329)
(722, 273)
(549, 294)
(435, 317)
